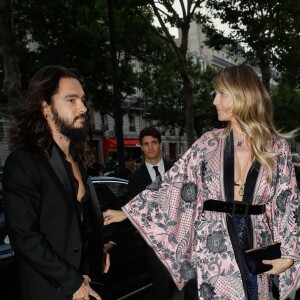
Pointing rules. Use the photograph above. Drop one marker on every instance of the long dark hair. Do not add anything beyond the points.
(29, 124)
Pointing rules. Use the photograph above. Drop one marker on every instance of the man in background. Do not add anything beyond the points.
(153, 167)
(94, 168)
(130, 162)
(150, 171)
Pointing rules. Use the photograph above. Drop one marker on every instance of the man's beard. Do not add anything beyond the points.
(66, 129)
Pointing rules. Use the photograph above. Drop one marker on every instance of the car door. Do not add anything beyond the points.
(128, 272)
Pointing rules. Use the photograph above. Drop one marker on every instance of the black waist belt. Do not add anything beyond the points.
(234, 208)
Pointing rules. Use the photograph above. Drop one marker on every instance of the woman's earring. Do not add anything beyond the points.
(46, 117)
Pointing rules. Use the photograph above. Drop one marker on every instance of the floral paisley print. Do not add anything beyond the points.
(169, 215)
(216, 243)
(189, 192)
(207, 291)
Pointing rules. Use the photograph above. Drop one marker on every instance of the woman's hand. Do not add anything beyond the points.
(85, 291)
(113, 216)
(279, 265)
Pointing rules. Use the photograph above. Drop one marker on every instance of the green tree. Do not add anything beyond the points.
(167, 14)
(62, 32)
(164, 93)
(205, 112)
(75, 34)
(286, 101)
(290, 59)
(168, 103)
(266, 28)
(11, 76)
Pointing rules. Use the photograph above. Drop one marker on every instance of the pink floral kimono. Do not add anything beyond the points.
(192, 242)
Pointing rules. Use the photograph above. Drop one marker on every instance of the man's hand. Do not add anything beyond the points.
(113, 216)
(85, 291)
(106, 261)
(279, 265)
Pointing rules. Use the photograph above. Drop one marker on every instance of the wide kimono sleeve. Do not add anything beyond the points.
(165, 212)
(286, 219)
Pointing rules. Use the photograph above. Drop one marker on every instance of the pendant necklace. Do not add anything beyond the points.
(240, 139)
(239, 143)
(242, 184)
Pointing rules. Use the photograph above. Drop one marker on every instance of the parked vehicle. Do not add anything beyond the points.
(128, 272)
(112, 170)
(127, 276)
(6, 256)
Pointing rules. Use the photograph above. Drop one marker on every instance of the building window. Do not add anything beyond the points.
(202, 65)
(104, 124)
(131, 123)
(172, 132)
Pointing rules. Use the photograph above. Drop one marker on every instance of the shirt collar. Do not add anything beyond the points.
(159, 164)
(72, 151)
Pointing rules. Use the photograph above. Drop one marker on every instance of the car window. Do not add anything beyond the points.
(106, 197)
(111, 194)
(119, 189)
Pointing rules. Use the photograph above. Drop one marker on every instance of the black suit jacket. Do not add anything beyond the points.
(140, 179)
(44, 225)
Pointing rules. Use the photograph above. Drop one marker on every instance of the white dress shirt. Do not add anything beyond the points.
(151, 171)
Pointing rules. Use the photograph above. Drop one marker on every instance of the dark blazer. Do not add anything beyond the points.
(140, 179)
(162, 282)
(44, 225)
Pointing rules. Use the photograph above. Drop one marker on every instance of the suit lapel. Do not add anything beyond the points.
(146, 176)
(60, 171)
(167, 165)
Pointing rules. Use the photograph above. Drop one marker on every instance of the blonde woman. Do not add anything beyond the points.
(233, 190)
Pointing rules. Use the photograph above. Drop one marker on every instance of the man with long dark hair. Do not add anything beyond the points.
(54, 221)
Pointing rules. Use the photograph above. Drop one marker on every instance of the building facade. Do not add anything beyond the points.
(134, 120)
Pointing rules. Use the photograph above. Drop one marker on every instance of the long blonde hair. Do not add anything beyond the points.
(253, 110)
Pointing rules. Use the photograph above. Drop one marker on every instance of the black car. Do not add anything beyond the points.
(127, 276)
(6, 255)
(112, 170)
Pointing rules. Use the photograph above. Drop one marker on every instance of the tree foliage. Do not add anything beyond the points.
(11, 75)
(286, 101)
(205, 112)
(75, 34)
(167, 14)
(60, 32)
(168, 105)
(267, 29)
